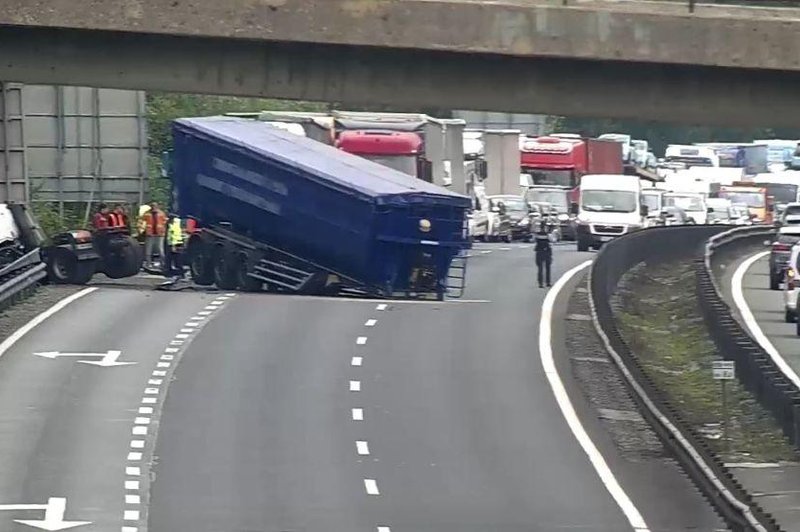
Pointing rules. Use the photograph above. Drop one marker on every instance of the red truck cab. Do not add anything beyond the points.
(402, 150)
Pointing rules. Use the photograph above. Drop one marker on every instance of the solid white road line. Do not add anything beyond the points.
(361, 340)
(371, 486)
(362, 448)
(750, 320)
(358, 414)
(568, 411)
(25, 329)
(370, 323)
(356, 361)
(355, 386)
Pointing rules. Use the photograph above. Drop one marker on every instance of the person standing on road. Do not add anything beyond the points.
(155, 224)
(544, 255)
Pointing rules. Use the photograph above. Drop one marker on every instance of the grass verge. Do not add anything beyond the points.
(657, 313)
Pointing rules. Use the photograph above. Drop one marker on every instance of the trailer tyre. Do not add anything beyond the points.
(247, 261)
(200, 261)
(226, 266)
(64, 268)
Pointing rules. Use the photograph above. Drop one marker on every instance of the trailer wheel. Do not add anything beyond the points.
(200, 261)
(64, 268)
(126, 262)
(245, 263)
(225, 266)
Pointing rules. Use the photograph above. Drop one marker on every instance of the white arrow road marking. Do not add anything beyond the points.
(53, 514)
(107, 360)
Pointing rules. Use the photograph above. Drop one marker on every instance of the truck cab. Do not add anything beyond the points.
(400, 150)
(609, 206)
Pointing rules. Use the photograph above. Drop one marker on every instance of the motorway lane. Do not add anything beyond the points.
(65, 427)
(767, 308)
(440, 420)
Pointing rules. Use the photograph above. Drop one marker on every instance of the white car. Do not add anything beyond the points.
(791, 288)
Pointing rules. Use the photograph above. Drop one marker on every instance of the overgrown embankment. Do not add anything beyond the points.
(657, 313)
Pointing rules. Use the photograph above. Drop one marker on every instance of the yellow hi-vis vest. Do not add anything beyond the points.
(175, 233)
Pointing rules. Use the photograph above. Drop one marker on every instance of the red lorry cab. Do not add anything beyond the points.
(400, 150)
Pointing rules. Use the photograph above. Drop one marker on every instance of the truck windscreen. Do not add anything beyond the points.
(782, 192)
(556, 178)
(556, 198)
(652, 201)
(690, 161)
(403, 163)
(753, 199)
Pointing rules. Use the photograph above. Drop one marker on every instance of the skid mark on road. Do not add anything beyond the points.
(137, 470)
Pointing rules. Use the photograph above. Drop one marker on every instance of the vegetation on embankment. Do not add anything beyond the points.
(657, 313)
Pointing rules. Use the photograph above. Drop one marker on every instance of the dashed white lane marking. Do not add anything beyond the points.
(568, 411)
(381, 307)
(504, 249)
(356, 361)
(6, 344)
(141, 424)
(486, 251)
(355, 386)
(370, 323)
(362, 448)
(384, 529)
(358, 414)
(361, 340)
(371, 486)
(750, 320)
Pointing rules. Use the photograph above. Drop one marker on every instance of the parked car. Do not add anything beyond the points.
(790, 215)
(791, 289)
(519, 216)
(780, 250)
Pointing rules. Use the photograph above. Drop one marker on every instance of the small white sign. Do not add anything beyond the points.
(723, 370)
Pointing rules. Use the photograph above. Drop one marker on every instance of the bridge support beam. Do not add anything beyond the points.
(405, 79)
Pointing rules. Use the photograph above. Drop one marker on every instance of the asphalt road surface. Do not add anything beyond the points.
(767, 308)
(273, 413)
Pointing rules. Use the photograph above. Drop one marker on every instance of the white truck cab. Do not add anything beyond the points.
(610, 206)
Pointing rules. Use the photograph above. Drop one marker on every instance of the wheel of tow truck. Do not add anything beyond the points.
(226, 266)
(246, 262)
(200, 261)
(64, 268)
(125, 261)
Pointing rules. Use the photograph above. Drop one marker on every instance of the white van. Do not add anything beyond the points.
(610, 206)
(694, 204)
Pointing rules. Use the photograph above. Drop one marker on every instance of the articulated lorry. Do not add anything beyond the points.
(285, 213)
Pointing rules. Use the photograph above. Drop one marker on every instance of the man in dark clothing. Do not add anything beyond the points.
(544, 255)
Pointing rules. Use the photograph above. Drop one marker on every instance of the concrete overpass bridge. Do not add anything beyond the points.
(648, 60)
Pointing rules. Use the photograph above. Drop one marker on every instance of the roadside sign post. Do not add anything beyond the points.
(724, 371)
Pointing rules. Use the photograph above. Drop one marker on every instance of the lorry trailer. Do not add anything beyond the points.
(289, 214)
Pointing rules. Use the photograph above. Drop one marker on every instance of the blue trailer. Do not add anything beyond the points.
(286, 213)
